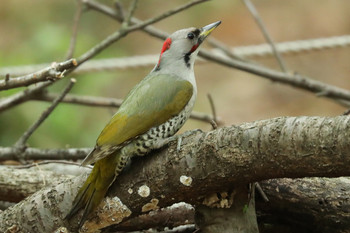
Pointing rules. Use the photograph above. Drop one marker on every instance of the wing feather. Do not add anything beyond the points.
(152, 102)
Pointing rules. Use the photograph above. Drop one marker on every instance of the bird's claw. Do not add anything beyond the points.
(185, 134)
(166, 141)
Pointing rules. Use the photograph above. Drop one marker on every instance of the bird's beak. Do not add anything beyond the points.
(206, 30)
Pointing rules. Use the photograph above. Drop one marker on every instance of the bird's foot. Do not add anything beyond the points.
(186, 134)
(177, 138)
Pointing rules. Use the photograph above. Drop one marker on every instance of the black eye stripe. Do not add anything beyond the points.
(193, 34)
(196, 32)
(190, 35)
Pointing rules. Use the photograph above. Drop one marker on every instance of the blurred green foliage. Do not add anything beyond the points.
(39, 34)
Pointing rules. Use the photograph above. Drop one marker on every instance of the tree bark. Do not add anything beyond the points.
(295, 204)
(307, 205)
(230, 156)
(228, 212)
(17, 184)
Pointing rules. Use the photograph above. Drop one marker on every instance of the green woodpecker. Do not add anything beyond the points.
(153, 111)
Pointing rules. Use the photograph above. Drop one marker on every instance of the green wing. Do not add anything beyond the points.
(152, 102)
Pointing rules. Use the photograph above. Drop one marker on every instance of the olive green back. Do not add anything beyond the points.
(152, 102)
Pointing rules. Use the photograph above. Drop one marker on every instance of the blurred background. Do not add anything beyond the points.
(34, 32)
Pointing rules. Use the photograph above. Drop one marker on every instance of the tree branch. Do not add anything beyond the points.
(263, 29)
(58, 70)
(17, 184)
(124, 31)
(22, 96)
(296, 80)
(280, 147)
(54, 72)
(95, 101)
(238, 53)
(11, 153)
(322, 201)
(309, 204)
(132, 9)
(36, 93)
(20, 144)
(111, 102)
(76, 20)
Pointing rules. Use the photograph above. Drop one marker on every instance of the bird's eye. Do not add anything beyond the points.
(190, 35)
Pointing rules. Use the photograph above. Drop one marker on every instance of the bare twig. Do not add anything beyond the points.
(166, 14)
(115, 14)
(44, 162)
(7, 77)
(347, 112)
(172, 216)
(225, 49)
(55, 71)
(23, 139)
(261, 192)
(298, 81)
(76, 20)
(213, 122)
(237, 52)
(97, 101)
(133, 6)
(294, 80)
(11, 153)
(123, 32)
(120, 9)
(36, 93)
(205, 117)
(60, 69)
(22, 96)
(263, 29)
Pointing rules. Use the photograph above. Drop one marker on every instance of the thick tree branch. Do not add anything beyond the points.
(309, 204)
(322, 201)
(280, 147)
(17, 184)
(213, 161)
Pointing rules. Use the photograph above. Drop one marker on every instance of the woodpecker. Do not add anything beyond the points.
(153, 111)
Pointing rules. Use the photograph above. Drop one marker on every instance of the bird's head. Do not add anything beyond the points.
(182, 46)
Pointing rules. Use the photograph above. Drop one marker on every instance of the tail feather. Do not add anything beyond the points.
(88, 209)
(95, 187)
(78, 202)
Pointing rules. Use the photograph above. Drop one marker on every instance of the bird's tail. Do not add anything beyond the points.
(95, 187)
